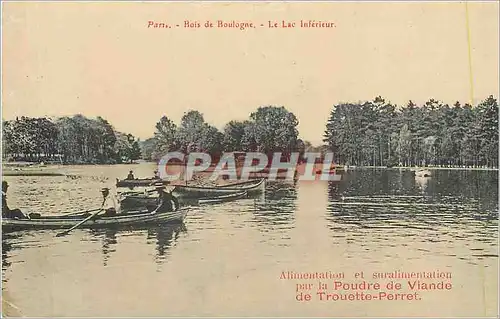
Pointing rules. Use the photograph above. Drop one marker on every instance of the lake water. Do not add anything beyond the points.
(227, 259)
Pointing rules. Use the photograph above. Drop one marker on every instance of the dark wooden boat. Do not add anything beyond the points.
(250, 187)
(137, 200)
(66, 221)
(31, 173)
(132, 200)
(139, 182)
(244, 185)
(222, 198)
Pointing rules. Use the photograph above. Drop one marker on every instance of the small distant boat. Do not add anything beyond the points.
(423, 173)
(139, 182)
(250, 187)
(30, 173)
(61, 221)
(222, 198)
(31, 170)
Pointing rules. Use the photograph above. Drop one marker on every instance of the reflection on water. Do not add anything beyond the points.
(278, 205)
(274, 216)
(452, 207)
(162, 237)
(7, 242)
(228, 255)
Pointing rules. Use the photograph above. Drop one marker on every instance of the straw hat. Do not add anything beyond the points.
(105, 191)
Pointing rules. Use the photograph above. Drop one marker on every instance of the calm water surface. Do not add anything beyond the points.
(226, 259)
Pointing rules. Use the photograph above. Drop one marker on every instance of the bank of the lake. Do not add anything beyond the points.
(421, 168)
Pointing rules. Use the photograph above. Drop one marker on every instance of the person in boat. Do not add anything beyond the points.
(110, 204)
(130, 175)
(157, 175)
(6, 211)
(166, 201)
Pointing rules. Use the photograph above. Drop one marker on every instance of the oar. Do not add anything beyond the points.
(82, 212)
(75, 213)
(76, 226)
(83, 221)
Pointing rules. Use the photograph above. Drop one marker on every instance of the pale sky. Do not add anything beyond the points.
(101, 59)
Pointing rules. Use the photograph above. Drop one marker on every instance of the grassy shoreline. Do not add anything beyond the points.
(424, 167)
(34, 168)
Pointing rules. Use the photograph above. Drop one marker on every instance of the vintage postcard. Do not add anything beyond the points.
(262, 159)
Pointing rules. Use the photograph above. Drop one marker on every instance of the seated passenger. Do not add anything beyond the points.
(6, 211)
(130, 175)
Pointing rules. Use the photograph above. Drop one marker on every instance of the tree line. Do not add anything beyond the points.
(379, 133)
(68, 140)
(375, 133)
(268, 129)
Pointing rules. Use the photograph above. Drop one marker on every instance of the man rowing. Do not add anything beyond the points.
(110, 204)
(166, 201)
(6, 211)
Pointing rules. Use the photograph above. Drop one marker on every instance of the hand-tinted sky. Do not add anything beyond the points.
(101, 59)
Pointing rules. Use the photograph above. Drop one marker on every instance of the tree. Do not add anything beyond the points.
(165, 138)
(272, 129)
(404, 145)
(127, 148)
(135, 152)
(487, 131)
(211, 140)
(233, 135)
(191, 130)
(432, 134)
(84, 140)
(148, 147)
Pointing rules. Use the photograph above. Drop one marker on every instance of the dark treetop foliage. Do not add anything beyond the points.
(379, 133)
(74, 139)
(374, 133)
(268, 129)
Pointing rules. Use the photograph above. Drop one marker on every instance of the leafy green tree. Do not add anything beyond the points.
(148, 147)
(272, 129)
(165, 138)
(233, 135)
(404, 145)
(211, 140)
(191, 131)
(378, 133)
(487, 131)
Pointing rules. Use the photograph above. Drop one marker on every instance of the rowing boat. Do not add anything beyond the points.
(139, 182)
(141, 199)
(245, 185)
(250, 187)
(222, 198)
(128, 201)
(66, 221)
